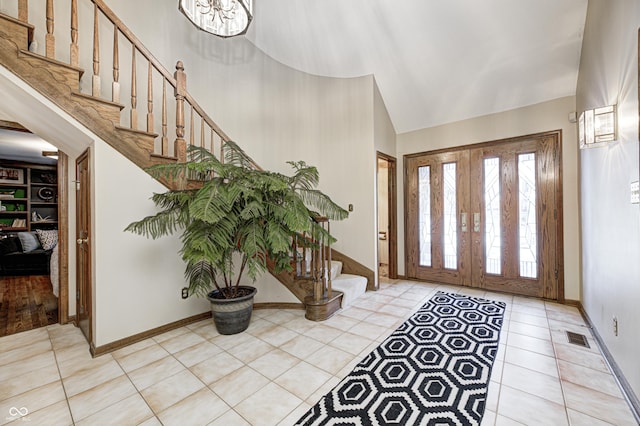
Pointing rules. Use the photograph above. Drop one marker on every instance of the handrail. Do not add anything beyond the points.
(134, 40)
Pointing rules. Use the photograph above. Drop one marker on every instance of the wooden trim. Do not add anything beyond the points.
(87, 157)
(323, 309)
(559, 221)
(119, 344)
(392, 204)
(12, 125)
(63, 237)
(623, 384)
(571, 302)
(277, 305)
(486, 144)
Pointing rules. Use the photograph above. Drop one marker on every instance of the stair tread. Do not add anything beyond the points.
(52, 61)
(137, 131)
(17, 21)
(95, 98)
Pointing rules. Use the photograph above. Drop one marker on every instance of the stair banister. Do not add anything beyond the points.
(178, 81)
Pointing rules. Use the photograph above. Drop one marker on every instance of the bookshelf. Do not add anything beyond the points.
(28, 197)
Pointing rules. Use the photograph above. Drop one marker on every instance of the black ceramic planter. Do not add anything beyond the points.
(232, 316)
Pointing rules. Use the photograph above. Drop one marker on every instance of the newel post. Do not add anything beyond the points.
(180, 147)
(23, 10)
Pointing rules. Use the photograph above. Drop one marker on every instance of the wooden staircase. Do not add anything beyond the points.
(179, 113)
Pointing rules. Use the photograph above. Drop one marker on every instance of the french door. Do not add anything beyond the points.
(488, 216)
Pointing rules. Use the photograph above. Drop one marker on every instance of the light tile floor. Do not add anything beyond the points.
(272, 373)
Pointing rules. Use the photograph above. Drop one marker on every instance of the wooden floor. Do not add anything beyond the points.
(26, 303)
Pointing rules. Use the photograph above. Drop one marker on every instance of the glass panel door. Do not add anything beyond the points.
(438, 242)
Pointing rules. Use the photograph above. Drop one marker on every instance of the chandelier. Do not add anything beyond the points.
(224, 18)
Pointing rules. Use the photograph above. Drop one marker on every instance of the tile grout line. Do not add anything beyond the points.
(64, 388)
(506, 342)
(555, 355)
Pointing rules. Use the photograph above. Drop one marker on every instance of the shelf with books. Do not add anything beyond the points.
(28, 197)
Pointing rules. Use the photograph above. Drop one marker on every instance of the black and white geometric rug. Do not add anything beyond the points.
(433, 370)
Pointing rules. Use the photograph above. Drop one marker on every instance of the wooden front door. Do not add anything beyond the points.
(488, 216)
(83, 244)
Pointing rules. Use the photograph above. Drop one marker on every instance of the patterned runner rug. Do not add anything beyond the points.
(433, 370)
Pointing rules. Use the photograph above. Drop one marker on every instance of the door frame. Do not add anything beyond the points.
(557, 134)
(63, 237)
(63, 225)
(85, 155)
(392, 204)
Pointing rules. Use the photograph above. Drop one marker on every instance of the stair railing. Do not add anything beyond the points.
(311, 259)
(193, 125)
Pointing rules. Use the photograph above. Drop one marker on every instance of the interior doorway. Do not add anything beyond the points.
(387, 219)
(33, 279)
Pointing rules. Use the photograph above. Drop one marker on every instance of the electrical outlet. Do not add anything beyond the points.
(615, 326)
(185, 292)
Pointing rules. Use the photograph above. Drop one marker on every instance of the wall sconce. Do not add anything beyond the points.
(597, 126)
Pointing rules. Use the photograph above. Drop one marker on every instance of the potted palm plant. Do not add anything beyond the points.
(232, 219)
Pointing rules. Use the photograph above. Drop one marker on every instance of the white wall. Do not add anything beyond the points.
(137, 281)
(552, 115)
(610, 223)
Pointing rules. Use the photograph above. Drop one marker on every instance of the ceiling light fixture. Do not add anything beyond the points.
(50, 154)
(224, 18)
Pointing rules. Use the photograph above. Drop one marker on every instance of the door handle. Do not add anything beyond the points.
(476, 222)
(82, 240)
(463, 222)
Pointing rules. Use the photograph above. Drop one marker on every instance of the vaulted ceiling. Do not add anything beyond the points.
(435, 61)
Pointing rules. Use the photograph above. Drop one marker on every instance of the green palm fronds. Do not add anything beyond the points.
(240, 216)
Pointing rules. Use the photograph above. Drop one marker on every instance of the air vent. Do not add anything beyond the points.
(577, 339)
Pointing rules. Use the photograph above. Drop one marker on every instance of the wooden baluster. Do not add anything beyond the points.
(134, 91)
(180, 148)
(150, 99)
(73, 49)
(303, 263)
(23, 10)
(96, 54)
(165, 141)
(317, 282)
(202, 132)
(212, 149)
(294, 254)
(191, 128)
(329, 290)
(115, 86)
(50, 39)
